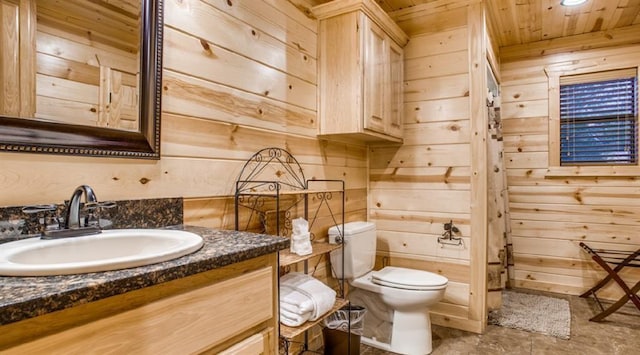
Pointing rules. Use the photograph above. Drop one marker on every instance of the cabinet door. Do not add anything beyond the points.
(396, 87)
(257, 344)
(376, 82)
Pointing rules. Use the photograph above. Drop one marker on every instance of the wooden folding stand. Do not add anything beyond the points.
(621, 259)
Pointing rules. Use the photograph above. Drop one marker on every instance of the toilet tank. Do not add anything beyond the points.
(359, 249)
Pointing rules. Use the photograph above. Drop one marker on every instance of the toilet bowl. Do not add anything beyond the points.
(409, 293)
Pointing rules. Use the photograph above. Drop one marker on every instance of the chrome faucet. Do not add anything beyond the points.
(72, 215)
(72, 226)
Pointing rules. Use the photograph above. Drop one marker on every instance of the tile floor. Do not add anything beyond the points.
(619, 334)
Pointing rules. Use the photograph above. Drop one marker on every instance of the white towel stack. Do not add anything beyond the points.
(303, 298)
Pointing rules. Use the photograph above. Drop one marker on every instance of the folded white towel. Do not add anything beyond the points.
(293, 319)
(296, 300)
(290, 294)
(322, 296)
(294, 308)
(293, 279)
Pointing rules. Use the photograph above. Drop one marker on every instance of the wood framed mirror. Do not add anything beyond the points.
(25, 129)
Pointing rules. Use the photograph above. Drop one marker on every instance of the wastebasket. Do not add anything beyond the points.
(336, 339)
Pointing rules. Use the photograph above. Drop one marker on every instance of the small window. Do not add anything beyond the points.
(599, 118)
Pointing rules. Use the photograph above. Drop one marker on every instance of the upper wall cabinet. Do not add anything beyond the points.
(361, 72)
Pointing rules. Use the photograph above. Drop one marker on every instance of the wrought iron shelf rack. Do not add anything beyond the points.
(272, 190)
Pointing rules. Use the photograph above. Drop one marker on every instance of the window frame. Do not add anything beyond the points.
(554, 168)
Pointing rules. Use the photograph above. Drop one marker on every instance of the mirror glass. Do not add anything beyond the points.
(84, 80)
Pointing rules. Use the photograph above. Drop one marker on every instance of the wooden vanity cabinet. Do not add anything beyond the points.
(361, 72)
(229, 310)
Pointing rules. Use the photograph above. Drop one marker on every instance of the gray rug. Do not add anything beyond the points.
(533, 313)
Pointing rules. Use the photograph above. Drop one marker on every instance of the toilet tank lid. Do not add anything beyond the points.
(352, 228)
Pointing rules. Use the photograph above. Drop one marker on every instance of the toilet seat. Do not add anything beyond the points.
(408, 279)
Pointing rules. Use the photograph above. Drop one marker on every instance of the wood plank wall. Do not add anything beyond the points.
(238, 77)
(551, 214)
(417, 187)
(241, 76)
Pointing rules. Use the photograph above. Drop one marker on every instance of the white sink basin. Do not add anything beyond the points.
(109, 250)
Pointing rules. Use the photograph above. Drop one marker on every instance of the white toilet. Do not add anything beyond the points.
(409, 293)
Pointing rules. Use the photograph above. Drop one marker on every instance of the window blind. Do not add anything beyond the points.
(598, 120)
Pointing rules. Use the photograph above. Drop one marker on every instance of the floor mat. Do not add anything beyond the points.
(533, 313)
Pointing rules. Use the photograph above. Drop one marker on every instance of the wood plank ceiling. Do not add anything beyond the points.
(525, 21)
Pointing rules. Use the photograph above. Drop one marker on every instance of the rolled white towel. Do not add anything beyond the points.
(323, 297)
(293, 319)
(293, 308)
(294, 300)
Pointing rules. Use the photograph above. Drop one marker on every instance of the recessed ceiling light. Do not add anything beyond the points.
(572, 2)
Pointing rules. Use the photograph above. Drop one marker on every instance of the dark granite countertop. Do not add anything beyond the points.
(26, 297)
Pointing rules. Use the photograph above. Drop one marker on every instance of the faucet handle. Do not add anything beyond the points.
(39, 208)
(107, 204)
(50, 220)
(90, 206)
(92, 218)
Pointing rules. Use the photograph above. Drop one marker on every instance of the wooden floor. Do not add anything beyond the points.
(619, 334)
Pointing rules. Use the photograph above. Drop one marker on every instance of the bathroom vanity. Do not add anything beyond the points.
(220, 299)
